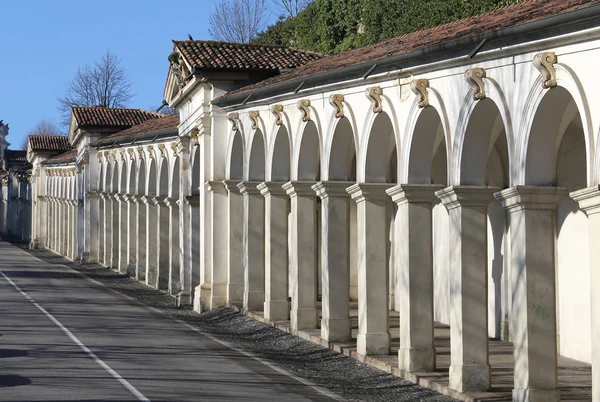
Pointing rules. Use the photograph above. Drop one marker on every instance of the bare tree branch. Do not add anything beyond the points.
(290, 8)
(237, 20)
(103, 84)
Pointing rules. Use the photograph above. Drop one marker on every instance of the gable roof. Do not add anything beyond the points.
(15, 157)
(164, 125)
(43, 143)
(210, 55)
(439, 41)
(65, 157)
(98, 116)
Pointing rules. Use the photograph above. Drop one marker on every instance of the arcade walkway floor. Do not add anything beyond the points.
(91, 334)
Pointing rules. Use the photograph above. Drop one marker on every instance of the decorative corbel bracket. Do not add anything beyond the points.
(419, 88)
(374, 95)
(163, 150)
(304, 105)
(277, 110)
(233, 118)
(140, 152)
(254, 117)
(545, 62)
(474, 77)
(194, 135)
(150, 150)
(337, 102)
(131, 153)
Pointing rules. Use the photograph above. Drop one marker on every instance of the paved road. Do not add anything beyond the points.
(112, 348)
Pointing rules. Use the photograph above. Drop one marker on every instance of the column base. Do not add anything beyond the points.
(303, 318)
(199, 304)
(130, 270)
(470, 377)
(218, 295)
(415, 360)
(254, 301)
(536, 395)
(373, 343)
(333, 330)
(235, 294)
(183, 299)
(277, 310)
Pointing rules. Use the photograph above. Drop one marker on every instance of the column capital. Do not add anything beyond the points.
(248, 187)
(146, 199)
(170, 201)
(92, 194)
(530, 197)
(325, 189)
(299, 188)
(271, 188)
(369, 191)
(588, 199)
(192, 200)
(232, 186)
(215, 186)
(466, 196)
(414, 193)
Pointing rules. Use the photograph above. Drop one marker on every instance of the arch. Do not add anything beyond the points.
(151, 178)
(379, 156)
(235, 159)
(340, 163)
(567, 81)
(555, 115)
(163, 178)
(466, 125)
(131, 177)
(256, 158)
(114, 177)
(141, 178)
(307, 158)
(174, 187)
(427, 143)
(122, 177)
(196, 165)
(279, 160)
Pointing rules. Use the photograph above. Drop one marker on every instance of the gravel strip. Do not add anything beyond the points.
(349, 378)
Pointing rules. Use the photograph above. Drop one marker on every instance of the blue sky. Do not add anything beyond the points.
(42, 42)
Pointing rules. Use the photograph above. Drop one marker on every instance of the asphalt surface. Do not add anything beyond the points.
(86, 333)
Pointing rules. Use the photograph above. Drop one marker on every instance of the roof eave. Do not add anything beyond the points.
(527, 32)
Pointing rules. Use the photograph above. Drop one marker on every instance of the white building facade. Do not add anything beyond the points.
(454, 181)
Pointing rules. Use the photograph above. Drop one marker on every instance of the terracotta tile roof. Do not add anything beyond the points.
(65, 157)
(98, 116)
(14, 157)
(209, 55)
(164, 124)
(49, 143)
(525, 12)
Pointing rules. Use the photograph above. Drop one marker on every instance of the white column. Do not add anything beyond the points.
(372, 242)
(589, 202)
(195, 227)
(123, 233)
(163, 252)
(140, 268)
(152, 228)
(254, 246)
(467, 210)
(107, 229)
(303, 254)
(74, 229)
(276, 252)
(132, 234)
(217, 195)
(235, 247)
(335, 260)
(532, 214)
(114, 231)
(174, 250)
(413, 253)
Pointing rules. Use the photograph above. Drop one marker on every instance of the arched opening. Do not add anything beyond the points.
(151, 179)
(175, 180)
(140, 239)
(556, 155)
(280, 165)
(163, 179)
(236, 159)
(256, 167)
(427, 164)
(196, 165)
(381, 158)
(484, 162)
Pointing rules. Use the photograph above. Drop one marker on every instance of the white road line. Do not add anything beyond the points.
(280, 370)
(91, 354)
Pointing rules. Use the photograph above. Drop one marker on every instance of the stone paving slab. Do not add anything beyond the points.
(574, 377)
